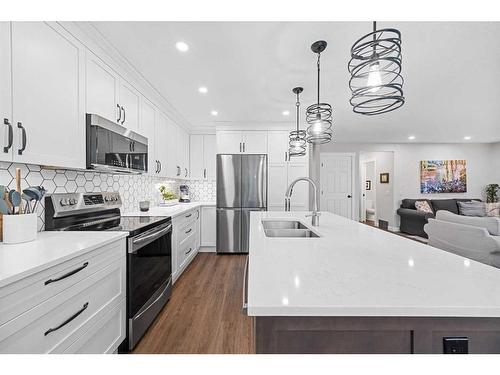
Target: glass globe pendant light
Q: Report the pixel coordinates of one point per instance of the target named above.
(319, 115)
(376, 82)
(297, 139)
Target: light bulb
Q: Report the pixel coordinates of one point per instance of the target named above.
(374, 78)
(317, 127)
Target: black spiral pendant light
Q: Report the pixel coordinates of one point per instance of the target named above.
(297, 139)
(375, 66)
(319, 115)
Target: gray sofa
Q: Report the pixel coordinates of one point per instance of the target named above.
(413, 221)
(476, 238)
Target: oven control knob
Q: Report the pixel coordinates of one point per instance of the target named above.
(72, 201)
(115, 198)
(63, 202)
(106, 199)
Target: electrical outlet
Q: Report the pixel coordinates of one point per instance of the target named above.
(455, 345)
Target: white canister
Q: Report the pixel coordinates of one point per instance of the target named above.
(19, 228)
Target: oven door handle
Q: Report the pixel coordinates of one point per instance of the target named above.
(138, 242)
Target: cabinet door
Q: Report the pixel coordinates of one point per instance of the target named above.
(196, 156)
(255, 142)
(48, 97)
(148, 123)
(229, 142)
(171, 162)
(129, 100)
(300, 196)
(208, 226)
(102, 89)
(183, 152)
(5, 92)
(277, 185)
(209, 156)
(162, 143)
(277, 147)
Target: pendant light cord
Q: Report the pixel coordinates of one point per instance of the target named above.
(374, 38)
(319, 55)
(297, 104)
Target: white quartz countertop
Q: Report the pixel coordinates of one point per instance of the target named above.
(171, 211)
(357, 270)
(21, 260)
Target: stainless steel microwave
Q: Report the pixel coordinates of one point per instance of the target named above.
(112, 147)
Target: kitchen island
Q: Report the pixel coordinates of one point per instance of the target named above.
(358, 289)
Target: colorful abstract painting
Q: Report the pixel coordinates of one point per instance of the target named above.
(443, 176)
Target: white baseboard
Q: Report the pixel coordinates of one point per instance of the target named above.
(207, 249)
(393, 229)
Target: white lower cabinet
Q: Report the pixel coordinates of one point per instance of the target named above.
(208, 226)
(82, 312)
(185, 240)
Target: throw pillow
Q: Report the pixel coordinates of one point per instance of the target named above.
(472, 208)
(423, 206)
(493, 209)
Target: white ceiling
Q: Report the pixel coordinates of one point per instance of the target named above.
(451, 72)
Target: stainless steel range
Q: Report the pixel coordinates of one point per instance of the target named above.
(149, 248)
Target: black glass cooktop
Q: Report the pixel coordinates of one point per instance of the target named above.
(138, 224)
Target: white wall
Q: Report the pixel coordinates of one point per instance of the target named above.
(483, 167)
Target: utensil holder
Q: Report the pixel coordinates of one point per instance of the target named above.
(19, 228)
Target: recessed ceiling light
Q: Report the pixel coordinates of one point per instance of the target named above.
(411, 137)
(467, 138)
(214, 113)
(286, 113)
(202, 90)
(181, 46)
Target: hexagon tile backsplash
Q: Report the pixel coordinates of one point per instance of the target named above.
(132, 188)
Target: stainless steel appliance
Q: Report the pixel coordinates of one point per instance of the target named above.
(112, 147)
(149, 250)
(241, 189)
(184, 194)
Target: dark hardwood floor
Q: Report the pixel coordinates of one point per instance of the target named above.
(204, 314)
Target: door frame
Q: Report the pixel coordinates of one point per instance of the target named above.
(362, 200)
(354, 196)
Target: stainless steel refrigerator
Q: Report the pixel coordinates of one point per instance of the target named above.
(241, 189)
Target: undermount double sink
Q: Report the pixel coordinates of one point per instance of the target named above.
(287, 228)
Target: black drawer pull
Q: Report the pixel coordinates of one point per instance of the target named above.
(189, 215)
(72, 317)
(67, 274)
(189, 250)
(189, 231)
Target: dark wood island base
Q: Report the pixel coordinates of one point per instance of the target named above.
(376, 335)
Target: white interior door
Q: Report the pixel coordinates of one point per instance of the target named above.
(336, 184)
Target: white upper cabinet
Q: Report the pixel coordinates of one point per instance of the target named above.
(241, 142)
(202, 156)
(102, 89)
(254, 142)
(5, 93)
(47, 95)
(148, 129)
(162, 144)
(172, 167)
(182, 153)
(278, 146)
(129, 100)
(229, 142)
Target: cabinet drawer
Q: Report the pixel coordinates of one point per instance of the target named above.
(54, 324)
(105, 335)
(186, 249)
(187, 217)
(187, 230)
(19, 297)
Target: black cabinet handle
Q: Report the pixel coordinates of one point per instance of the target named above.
(76, 270)
(189, 231)
(157, 166)
(349, 196)
(11, 135)
(187, 252)
(159, 162)
(123, 115)
(186, 172)
(204, 173)
(20, 126)
(119, 113)
(72, 317)
(189, 215)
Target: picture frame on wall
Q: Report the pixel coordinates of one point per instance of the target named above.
(368, 185)
(384, 178)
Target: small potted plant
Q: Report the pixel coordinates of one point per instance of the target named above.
(169, 197)
(492, 205)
